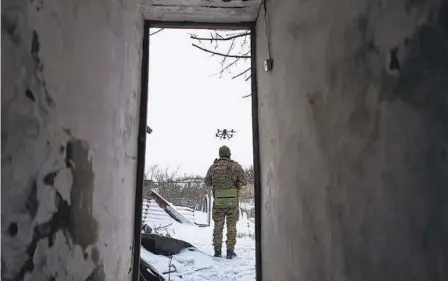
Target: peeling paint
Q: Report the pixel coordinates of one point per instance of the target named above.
(47, 101)
(52, 214)
(64, 178)
(52, 194)
(424, 78)
(30, 95)
(85, 230)
(9, 25)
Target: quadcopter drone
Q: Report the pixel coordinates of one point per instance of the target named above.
(225, 134)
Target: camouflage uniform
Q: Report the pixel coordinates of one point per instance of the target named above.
(226, 177)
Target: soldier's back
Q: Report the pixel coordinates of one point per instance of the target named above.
(223, 173)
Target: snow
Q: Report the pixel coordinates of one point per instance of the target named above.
(199, 264)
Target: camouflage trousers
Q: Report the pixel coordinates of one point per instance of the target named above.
(219, 215)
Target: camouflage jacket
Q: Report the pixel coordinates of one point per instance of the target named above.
(238, 175)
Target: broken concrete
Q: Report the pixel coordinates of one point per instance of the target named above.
(353, 135)
(70, 84)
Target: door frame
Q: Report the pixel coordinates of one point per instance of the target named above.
(141, 140)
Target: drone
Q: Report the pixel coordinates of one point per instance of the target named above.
(225, 134)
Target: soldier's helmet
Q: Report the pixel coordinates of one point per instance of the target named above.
(224, 152)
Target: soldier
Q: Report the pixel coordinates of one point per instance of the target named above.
(226, 177)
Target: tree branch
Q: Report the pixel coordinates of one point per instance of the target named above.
(224, 68)
(220, 38)
(242, 73)
(229, 65)
(220, 54)
(155, 32)
(228, 52)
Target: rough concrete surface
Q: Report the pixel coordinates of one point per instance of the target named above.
(70, 96)
(354, 140)
(211, 11)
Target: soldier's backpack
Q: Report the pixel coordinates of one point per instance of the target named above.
(224, 185)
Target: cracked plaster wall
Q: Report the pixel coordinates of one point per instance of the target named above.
(354, 139)
(70, 94)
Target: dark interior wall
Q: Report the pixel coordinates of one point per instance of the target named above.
(354, 140)
(69, 118)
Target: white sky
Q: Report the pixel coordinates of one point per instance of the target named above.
(187, 103)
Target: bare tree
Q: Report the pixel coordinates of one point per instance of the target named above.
(249, 171)
(247, 192)
(157, 174)
(187, 190)
(151, 172)
(233, 48)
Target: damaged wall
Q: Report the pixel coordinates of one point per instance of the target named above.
(354, 140)
(70, 94)
(218, 11)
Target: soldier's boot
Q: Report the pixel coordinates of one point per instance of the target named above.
(231, 254)
(217, 253)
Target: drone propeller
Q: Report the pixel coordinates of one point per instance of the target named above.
(225, 133)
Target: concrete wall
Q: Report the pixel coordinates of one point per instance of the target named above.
(354, 140)
(70, 96)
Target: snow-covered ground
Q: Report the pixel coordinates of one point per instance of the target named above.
(201, 265)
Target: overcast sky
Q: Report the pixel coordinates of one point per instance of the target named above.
(187, 104)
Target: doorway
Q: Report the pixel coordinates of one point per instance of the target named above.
(204, 90)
